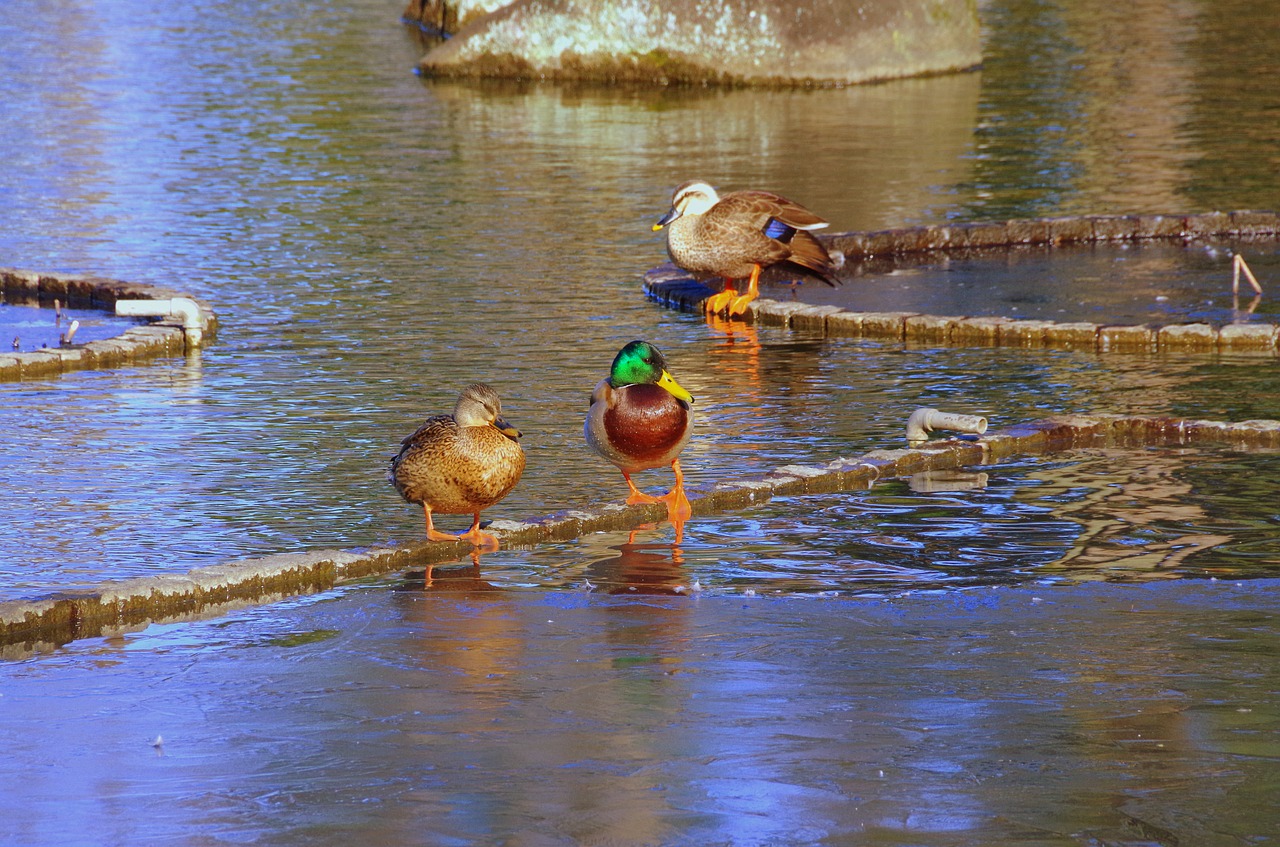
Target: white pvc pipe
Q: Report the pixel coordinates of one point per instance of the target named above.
(924, 421)
(177, 307)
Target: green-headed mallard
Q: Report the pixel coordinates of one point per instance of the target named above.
(640, 418)
(461, 463)
(740, 234)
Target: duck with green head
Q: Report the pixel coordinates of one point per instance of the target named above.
(640, 418)
(461, 463)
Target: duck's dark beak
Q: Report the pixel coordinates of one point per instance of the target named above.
(666, 219)
(507, 429)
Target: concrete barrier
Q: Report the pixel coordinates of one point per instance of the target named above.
(165, 337)
(674, 288)
(29, 625)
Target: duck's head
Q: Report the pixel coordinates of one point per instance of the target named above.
(478, 405)
(641, 363)
(691, 198)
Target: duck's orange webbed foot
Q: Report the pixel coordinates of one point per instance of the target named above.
(434, 534)
(638, 497)
(679, 509)
(717, 303)
(739, 304)
(479, 539)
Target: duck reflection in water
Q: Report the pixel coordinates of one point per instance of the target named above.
(654, 567)
(448, 577)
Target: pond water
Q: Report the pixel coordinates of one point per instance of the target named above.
(28, 327)
(373, 242)
(1155, 283)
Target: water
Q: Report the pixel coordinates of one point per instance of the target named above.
(1155, 283)
(373, 242)
(28, 327)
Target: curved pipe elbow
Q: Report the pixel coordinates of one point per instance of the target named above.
(178, 307)
(924, 421)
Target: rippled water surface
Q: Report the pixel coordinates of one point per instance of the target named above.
(373, 242)
(914, 664)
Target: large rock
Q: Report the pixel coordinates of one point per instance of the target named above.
(769, 42)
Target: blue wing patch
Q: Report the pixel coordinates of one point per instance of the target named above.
(777, 229)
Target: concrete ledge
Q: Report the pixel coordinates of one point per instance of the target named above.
(674, 288)
(164, 337)
(134, 603)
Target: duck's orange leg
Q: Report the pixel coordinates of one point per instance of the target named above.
(480, 539)
(716, 303)
(434, 534)
(679, 509)
(637, 496)
(739, 304)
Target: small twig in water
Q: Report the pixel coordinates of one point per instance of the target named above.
(1237, 265)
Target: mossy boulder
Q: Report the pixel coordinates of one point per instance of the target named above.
(810, 42)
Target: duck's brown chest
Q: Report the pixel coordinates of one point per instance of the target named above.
(649, 425)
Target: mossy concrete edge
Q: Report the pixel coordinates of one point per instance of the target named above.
(28, 625)
(161, 338)
(674, 288)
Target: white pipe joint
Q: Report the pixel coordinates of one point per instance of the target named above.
(924, 421)
(178, 307)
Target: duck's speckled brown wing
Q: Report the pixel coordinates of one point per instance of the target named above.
(456, 470)
(757, 227)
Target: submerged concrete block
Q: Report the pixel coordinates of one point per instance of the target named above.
(933, 329)
(1075, 335)
(1159, 226)
(1187, 337)
(1022, 333)
(1253, 223)
(1069, 230)
(1126, 338)
(983, 332)
(1115, 227)
(847, 324)
(885, 324)
(1249, 337)
(813, 318)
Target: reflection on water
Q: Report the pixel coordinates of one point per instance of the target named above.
(1009, 717)
(28, 327)
(1102, 514)
(1156, 283)
(373, 242)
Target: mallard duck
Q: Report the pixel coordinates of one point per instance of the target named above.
(461, 463)
(740, 234)
(640, 418)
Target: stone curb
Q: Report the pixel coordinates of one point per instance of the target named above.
(164, 337)
(674, 288)
(133, 603)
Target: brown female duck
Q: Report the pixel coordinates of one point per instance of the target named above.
(740, 234)
(461, 463)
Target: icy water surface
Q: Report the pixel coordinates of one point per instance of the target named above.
(1065, 716)
(1155, 283)
(900, 666)
(374, 242)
